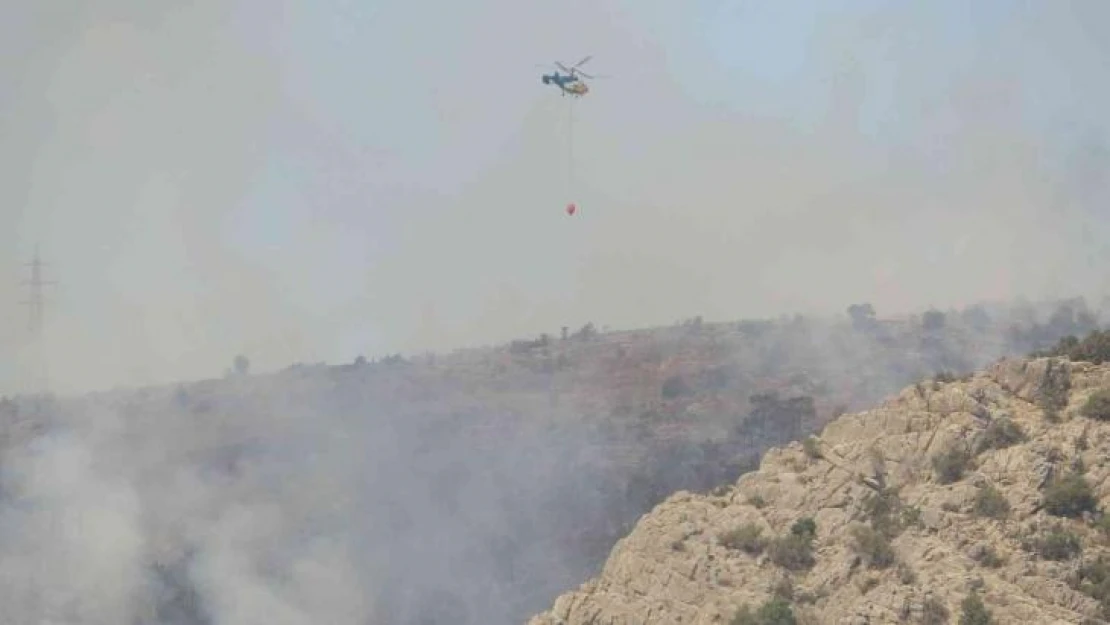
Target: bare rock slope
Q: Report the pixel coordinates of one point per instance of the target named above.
(950, 501)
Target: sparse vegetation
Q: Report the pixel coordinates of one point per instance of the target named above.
(1094, 581)
(709, 377)
(1069, 496)
(991, 503)
(747, 538)
(988, 557)
(911, 517)
(1078, 466)
(812, 447)
(775, 418)
(951, 464)
(873, 547)
(783, 589)
(944, 377)
(906, 574)
(1052, 395)
(775, 611)
(805, 527)
(1057, 543)
(794, 551)
(885, 512)
(1097, 406)
(1094, 348)
(1000, 434)
(1082, 443)
(974, 612)
(885, 515)
(934, 612)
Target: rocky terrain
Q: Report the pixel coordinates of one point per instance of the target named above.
(974, 500)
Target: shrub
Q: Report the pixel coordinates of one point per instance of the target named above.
(883, 509)
(1057, 544)
(793, 552)
(805, 527)
(747, 538)
(1078, 466)
(1000, 434)
(944, 377)
(783, 589)
(973, 612)
(776, 611)
(991, 504)
(911, 517)
(1097, 406)
(1094, 581)
(873, 547)
(1052, 394)
(812, 448)
(744, 616)
(951, 464)
(1069, 496)
(934, 612)
(989, 558)
(1102, 524)
(1082, 443)
(906, 575)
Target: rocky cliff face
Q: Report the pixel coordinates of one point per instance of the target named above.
(949, 502)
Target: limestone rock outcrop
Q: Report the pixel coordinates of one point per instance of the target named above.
(947, 490)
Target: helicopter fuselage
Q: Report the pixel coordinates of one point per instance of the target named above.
(568, 83)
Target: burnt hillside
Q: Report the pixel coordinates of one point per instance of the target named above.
(469, 487)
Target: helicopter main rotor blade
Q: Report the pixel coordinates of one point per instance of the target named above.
(583, 61)
(564, 67)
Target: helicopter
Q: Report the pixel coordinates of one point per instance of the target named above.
(569, 83)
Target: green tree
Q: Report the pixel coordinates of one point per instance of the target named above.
(974, 612)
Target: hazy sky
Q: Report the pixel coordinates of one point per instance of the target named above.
(311, 181)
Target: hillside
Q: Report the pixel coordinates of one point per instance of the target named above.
(470, 487)
(990, 487)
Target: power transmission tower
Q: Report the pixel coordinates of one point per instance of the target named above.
(36, 303)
